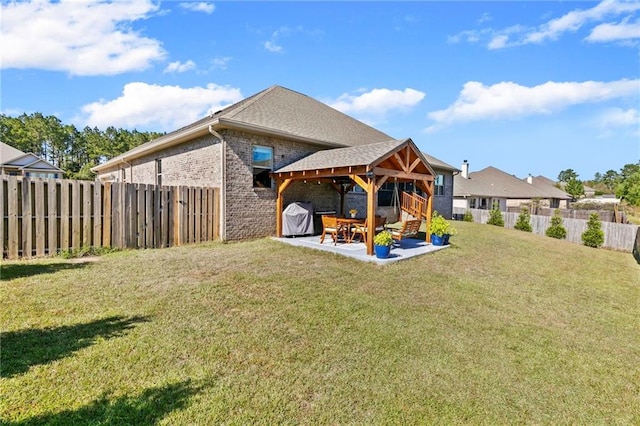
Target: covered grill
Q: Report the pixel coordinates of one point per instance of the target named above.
(297, 219)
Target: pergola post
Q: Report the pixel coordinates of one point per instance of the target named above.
(282, 185)
(371, 213)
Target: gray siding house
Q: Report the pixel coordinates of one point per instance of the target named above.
(240, 148)
(14, 162)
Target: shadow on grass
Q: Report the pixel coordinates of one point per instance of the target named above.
(19, 270)
(23, 349)
(146, 409)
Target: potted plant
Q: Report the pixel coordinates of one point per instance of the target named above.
(382, 243)
(353, 212)
(440, 230)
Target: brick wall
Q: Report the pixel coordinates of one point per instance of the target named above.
(443, 204)
(195, 163)
(251, 212)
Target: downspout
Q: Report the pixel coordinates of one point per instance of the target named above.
(130, 169)
(223, 186)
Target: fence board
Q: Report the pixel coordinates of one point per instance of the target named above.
(106, 214)
(148, 222)
(64, 215)
(12, 208)
(52, 224)
(76, 229)
(97, 215)
(41, 233)
(87, 197)
(39, 217)
(27, 229)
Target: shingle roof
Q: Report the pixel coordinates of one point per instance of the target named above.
(8, 153)
(286, 111)
(547, 186)
(439, 164)
(343, 157)
(493, 182)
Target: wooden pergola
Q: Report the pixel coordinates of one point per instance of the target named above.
(368, 166)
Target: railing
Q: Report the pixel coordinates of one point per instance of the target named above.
(42, 217)
(414, 204)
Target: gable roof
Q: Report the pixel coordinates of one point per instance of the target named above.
(8, 153)
(14, 158)
(380, 157)
(493, 182)
(277, 112)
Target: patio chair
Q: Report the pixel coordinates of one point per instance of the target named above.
(330, 226)
(362, 230)
(409, 229)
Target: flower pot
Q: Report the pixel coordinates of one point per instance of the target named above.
(437, 240)
(353, 215)
(382, 252)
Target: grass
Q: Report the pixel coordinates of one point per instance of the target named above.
(503, 327)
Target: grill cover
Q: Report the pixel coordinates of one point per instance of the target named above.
(297, 219)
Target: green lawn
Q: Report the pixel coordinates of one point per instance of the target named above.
(503, 327)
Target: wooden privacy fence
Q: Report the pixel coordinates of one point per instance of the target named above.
(617, 236)
(41, 217)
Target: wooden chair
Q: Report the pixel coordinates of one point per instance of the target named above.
(362, 230)
(330, 226)
(409, 229)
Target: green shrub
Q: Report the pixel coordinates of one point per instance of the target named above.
(495, 216)
(593, 236)
(523, 222)
(468, 217)
(384, 238)
(556, 230)
(439, 225)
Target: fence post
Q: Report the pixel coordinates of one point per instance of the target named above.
(97, 214)
(27, 231)
(52, 201)
(41, 233)
(13, 230)
(106, 215)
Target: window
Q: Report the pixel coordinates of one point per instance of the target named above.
(386, 192)
(472, 203)
(159, 172)
(262, 166)
(439, 184)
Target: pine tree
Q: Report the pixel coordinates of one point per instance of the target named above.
(495, 216)
(524, 219)
(594, 235)
(556, 230)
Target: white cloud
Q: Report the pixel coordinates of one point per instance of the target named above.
(484, 18)
(221, 63)
(271, 46)
(78, 37)
(618, 117)
(575, 19)
(159, 108)
(510, 100)
(572, 21)
(377, 102)
(498, 42)
(180, 66)
(205, 7)
(613, 32)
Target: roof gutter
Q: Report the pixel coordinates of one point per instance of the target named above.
(160, 143)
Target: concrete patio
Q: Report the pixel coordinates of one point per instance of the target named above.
(409, 248)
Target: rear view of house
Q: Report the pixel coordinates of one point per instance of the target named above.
(14, 162)
(244, 148)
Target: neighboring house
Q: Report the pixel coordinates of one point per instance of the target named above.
(480, 190)
(241, 148)
(14, 162)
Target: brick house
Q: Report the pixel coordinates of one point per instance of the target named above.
(241, 149)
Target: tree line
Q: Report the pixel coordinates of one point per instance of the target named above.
(625, 184)
(63, 145)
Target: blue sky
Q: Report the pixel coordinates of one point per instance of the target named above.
(528, 87)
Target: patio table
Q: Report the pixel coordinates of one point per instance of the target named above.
(346, 223)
